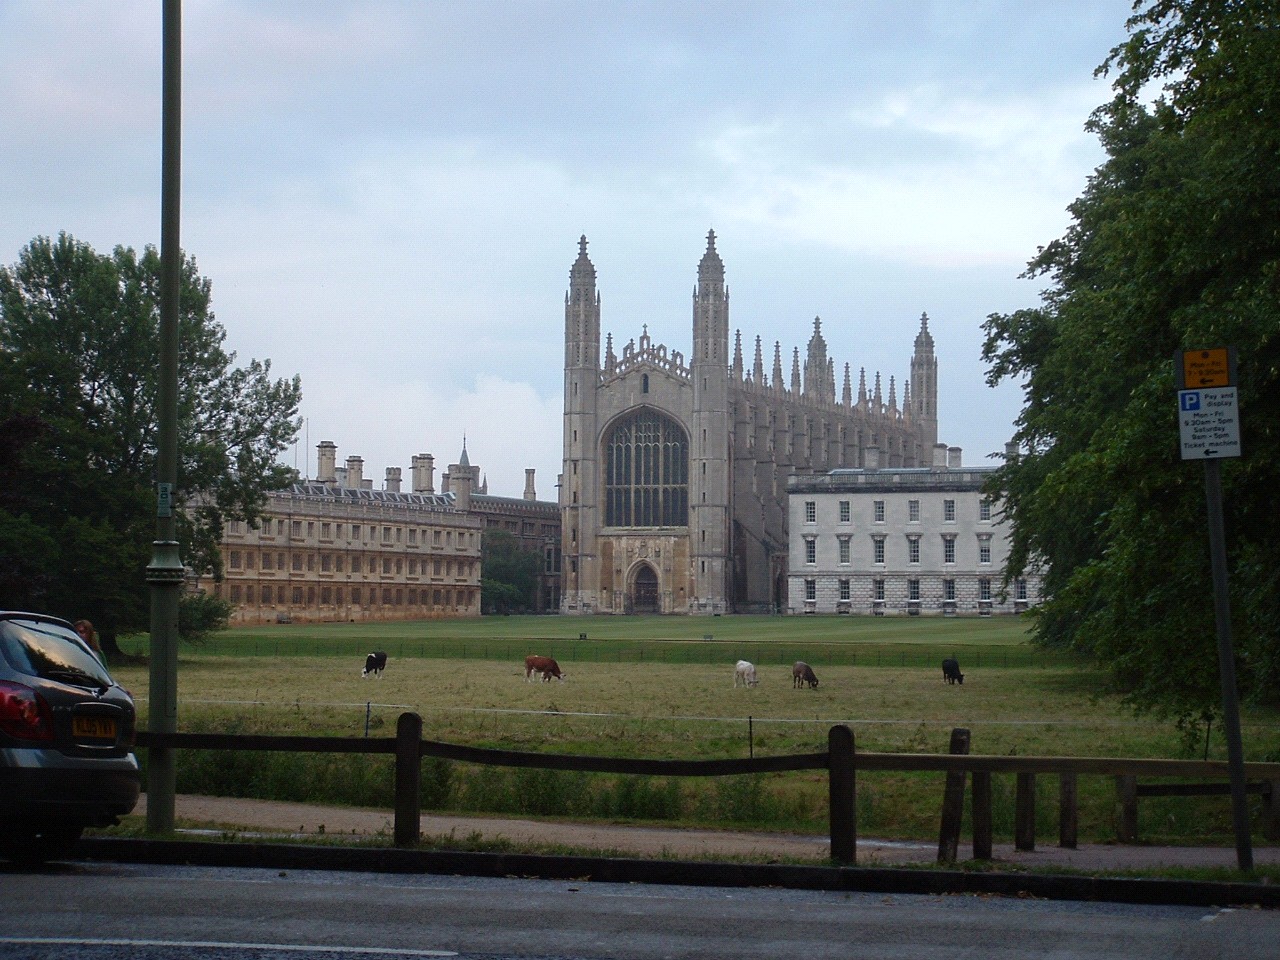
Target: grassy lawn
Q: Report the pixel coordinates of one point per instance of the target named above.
(623, 697)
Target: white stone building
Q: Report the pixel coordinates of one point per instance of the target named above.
(900, 541)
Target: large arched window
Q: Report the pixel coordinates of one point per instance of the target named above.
(646, 472)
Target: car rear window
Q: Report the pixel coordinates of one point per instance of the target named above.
(51, 652)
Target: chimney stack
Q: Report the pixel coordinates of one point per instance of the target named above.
(326, 458)
(939, 456)
(529, 493)
(355, 472)
(424, 469)
(953, 458)
(393, 480)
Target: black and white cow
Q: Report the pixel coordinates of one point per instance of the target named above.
(951, 671)
(374, 663)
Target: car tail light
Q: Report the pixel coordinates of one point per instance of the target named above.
(24, 713)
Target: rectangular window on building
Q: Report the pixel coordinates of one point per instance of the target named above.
(235, 593)
(325, 562)
(984, 588)
(326, 531)
(810, 550)
(913, 589)
(949, 549)
(844, 588)
(913, 511)
(386, 534)
(311, 529)
(811, 589)
(913, 549)
(326, 595)
(235, 527)
(355, 596)
(413, 535)
(844, 511)
(984, 509)
(355, 531)
(386, 564)
(297, 562)
(949, 511)
(948, 589)
(297, 595)
(877, 549)
(279, 561)
(877, 589)
(1020, 589)
(810, 511)
(984, 549)
(295, 528)
(844, 550)
(877, 508)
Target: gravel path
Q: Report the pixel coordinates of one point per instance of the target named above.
(296, 819)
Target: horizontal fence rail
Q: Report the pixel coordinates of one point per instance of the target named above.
(840, 760)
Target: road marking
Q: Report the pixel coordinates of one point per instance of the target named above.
(221, 945)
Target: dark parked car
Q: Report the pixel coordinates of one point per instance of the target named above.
(66, 732)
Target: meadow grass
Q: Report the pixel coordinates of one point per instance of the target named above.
(656, 709)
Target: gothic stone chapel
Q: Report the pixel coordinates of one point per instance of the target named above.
(674, 493)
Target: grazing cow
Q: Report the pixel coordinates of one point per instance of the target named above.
(745, 671)
(801, 674)
(543, 667)
(374, 663)
(951, 671)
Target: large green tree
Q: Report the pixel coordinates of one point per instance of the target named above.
(78, 430)
(509, 574)
(1174, 244)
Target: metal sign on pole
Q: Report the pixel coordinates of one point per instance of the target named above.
(1209, 428)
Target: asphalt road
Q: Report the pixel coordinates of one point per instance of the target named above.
(95, 910)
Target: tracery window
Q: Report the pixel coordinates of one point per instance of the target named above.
(646, 472)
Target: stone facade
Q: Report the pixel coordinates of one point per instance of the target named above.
(673, 494)
(900, 542)
(335, 549)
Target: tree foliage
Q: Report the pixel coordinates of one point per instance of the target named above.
(1174, 244)
(79, 384)
(509, 574)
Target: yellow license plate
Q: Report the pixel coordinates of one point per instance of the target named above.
(94, 728)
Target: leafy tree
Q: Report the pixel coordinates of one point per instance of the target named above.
(508, 574)
(1174, 244)
(78, 395)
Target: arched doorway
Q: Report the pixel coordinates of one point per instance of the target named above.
(644, 591)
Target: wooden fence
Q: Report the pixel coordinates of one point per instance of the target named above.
(841, 761)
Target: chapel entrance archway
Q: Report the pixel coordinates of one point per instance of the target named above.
(644, 590)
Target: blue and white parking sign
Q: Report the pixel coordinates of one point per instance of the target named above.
(1209, 423)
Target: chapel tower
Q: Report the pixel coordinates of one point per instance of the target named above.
(709, 506)
(580, 513)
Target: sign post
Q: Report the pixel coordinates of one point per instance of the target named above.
(1209, 428)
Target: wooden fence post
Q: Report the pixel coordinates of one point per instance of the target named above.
(408, 798)
(1271, 810)
(1024, 823)
(1068, 810)
(981, 807)
(953, 801)
(1127, 802)
(842, 793)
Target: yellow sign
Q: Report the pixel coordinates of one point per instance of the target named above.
(1206, 368)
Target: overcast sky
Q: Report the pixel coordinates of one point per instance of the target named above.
(387, 196)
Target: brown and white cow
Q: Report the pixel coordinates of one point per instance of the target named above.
(542, 667)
